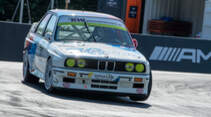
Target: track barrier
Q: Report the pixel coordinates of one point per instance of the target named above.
(163, 52)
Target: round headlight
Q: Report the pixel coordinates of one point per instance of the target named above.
(70, 62)
(140, 68)
(81, 63)
(129, 67)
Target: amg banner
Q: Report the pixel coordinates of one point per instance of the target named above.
(176, 54)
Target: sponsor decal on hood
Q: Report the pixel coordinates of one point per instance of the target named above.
(91, 49)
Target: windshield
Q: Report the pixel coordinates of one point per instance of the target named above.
(90, 29)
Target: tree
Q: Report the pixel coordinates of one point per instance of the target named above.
(39, 7)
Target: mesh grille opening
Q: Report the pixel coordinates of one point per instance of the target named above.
(103, 86)
(138, 85)
(69, 80)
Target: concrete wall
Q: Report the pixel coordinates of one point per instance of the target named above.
(207, 23)
(11, 40)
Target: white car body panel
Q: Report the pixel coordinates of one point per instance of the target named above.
(40, 50)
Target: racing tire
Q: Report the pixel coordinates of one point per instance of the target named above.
(27, 76)
(144, 97)
(48, 77)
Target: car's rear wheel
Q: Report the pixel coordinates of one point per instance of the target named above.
(27, 76)
(144, 97)
(48, 77)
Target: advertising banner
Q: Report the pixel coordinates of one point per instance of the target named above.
(176, 54)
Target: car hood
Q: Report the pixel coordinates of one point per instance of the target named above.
(98, 50)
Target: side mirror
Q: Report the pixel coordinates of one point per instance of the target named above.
(135, 42)
(48, 35)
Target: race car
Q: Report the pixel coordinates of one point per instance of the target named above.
(85, 51)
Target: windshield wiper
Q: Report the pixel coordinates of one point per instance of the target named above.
(89, 31)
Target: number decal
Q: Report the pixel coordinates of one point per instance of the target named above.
(77, 19)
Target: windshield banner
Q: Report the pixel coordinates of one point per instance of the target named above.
(100, 22)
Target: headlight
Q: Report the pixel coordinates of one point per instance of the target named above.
(140, 68)
(129, 67)
(81, 63)
(70, 62)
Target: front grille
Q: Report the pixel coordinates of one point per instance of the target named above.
(106, 65)
(111, 66)
(91, 64)
(120, 66)
(102, 65)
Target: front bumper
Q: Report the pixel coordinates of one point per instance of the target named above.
(102, 81)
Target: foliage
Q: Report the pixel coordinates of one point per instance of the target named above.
(39, 7)
(90, 5)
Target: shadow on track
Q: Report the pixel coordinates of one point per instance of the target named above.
(89, 97)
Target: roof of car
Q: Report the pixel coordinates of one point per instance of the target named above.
(61, 12)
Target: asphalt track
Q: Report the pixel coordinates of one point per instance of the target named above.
(173, 95)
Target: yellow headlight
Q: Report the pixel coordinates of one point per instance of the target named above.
(81, 63)
(140, 68)
(129, 67)
(70, 62)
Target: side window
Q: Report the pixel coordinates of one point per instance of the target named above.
(42, 25)
(50, 27)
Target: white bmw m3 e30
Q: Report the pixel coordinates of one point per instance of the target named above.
(86, 51)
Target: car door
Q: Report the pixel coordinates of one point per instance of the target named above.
(39, 38)
(45, 43)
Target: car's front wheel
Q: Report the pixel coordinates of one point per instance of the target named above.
(144, 97)
(48, 77)
(27, 76)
